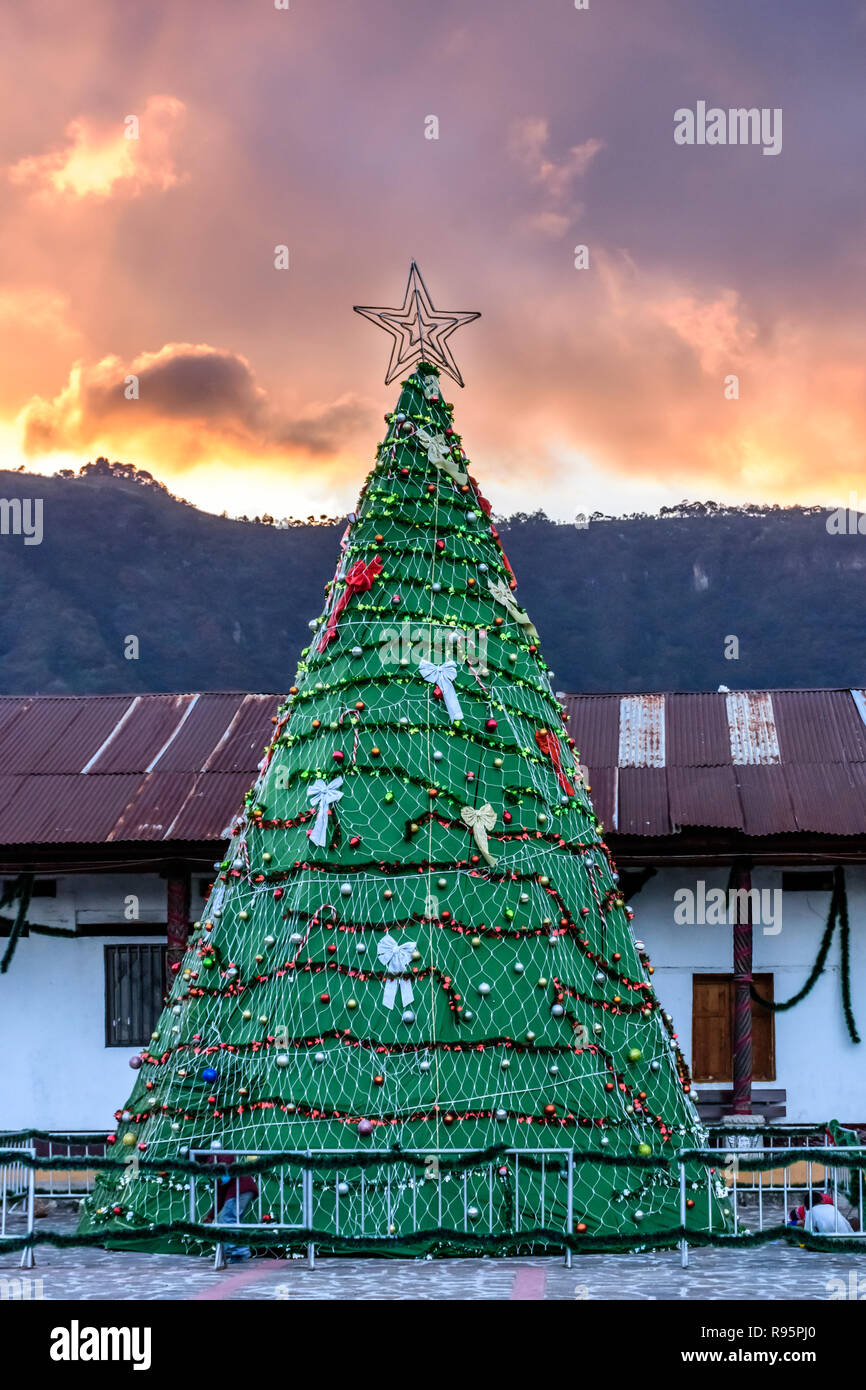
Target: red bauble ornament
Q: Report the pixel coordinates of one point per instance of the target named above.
(325, 998)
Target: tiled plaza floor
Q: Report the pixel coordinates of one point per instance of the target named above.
(765, 1273)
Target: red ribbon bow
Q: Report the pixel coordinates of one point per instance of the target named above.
(358, 581)
(549, 745)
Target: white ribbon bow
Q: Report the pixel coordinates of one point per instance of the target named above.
(430, 386)
(480, 821)
(439, 452)
(502, 594)
(323, 795)
(395, 956)
(444, 676)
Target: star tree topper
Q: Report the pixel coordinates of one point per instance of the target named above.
(419, 331)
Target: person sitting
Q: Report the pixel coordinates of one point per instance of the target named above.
(823, 1217)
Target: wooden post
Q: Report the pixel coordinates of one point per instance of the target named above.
(177, 915)
(742, 1041)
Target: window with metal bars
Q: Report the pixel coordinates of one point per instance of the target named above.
(134, 988)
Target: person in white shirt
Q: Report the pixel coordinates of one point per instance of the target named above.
(823, 1218)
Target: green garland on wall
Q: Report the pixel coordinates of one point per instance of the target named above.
(21, 889)
(836, 916)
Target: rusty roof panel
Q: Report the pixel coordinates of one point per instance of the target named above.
(153, 807)
(819, 787)
(9, 788)
(704, 796)
(825, 799)
(212, 804)
(766, 801)
(593, 722)
(203, 729)
(642, 799)
(858, 777)
(819, 726)
(12, 711)
(242, 746)
(141, 733)
(54, 809)
(641, 731)
(697, 731)
(39, 726)
(602, 791)
(754, 741)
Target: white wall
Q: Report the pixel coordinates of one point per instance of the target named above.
(823, 1072)
(57, 1072)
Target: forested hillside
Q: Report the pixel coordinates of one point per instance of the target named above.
(638, 603)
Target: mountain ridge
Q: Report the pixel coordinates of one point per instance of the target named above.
(622, 603)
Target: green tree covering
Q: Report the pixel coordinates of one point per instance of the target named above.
(416, 937)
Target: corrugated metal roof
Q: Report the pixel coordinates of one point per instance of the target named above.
(203, 751)
(116, 768)
(697, 731)
(593, 721)
(825, 799)
(826, 728)
(65, 807)
(241, 747)
(211, 806)
(767, 762)
(138, 739)
(641, 731)
(603, 789)
(765, 800)
(704, 796)
(752, 724)
(642, 801)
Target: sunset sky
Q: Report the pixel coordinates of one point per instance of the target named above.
(601, 388)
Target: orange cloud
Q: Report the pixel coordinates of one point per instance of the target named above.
(635, 392)
(127, 158)
(182, 405)
(37, 336)
(715, 329)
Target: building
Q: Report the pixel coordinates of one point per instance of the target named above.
(118, 807)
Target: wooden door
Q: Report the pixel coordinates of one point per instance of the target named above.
(713, 1029)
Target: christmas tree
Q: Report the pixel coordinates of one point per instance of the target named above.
(416, 937)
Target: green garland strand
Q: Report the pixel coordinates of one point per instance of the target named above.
(837, 914)
(328, 1163)
(20, 888)
(749, 1161)
(538, 1239)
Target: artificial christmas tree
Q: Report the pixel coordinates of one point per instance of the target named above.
(416, 937)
